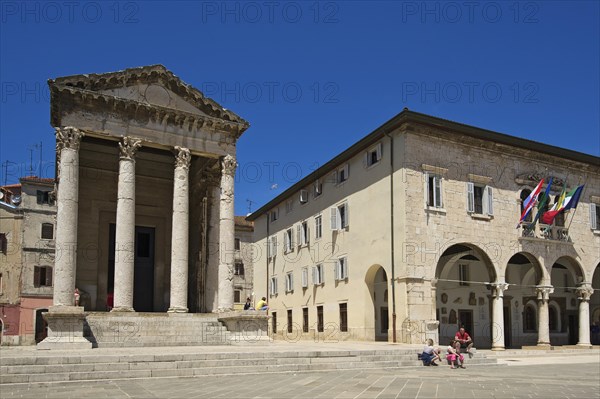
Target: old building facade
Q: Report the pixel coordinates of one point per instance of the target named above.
(145, 217)
(27, 230)
(410, 233)
(243, 269)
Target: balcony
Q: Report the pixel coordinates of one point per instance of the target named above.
(546, 232)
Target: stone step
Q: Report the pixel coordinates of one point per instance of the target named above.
(101, 371)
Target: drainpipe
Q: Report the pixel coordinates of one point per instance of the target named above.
(391, 137)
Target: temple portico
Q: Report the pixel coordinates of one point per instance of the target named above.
(131, 147)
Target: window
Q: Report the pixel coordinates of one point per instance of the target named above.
(274, 214)
(318, 274)
(342, 174)
(271, 246)
(239, 269)
(289, 206)
(237, 296)
(479, 199)
(305, 320)
(289, 282)
(341, 269)
(288, 241)
(303, 234)
(42, 276)
(274, 322)
(463, 274)
(290, 322)
(317, 188)
(237, 244)
(524, 194)
(318, 227)
(47, 231)
(594, 216)
(320, 324)
(339, 217)
(3, 243)
(273, 286)
(529, 318)
(343, 317)
(373, 155)
(303, 196)
(304, 277)
(44, 197)
(434, 190)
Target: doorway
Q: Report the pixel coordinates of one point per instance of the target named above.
(507, 327)
(465, 319)
(143, 273)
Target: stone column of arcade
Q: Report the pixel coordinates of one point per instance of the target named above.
(543, 296)
(212, 268)
(65, 321)
(226, 235)
(498, 316)
(584, 292)
(125, 227)
(180, 232)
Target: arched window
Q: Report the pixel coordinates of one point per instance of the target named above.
(524, 194)
(529, 318)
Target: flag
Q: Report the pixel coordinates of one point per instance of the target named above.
(559, 205)
(530, 201)
(572, 199)
(542, 202)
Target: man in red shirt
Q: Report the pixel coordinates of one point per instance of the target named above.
(463, 340)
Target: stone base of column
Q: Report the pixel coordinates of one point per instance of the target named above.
(584, 345)
(123, 309)
(177, 309)
(248, 327)
(498, 348)
(547, 344)
(65, 328)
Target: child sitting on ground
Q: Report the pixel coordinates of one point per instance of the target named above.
(454, 356)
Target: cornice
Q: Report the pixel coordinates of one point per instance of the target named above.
(156, 74)
(95, 101)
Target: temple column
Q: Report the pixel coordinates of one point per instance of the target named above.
(543, 296)
(125, 227)
(498, 315)
(180, 232)
(65, 321)
(226, 235)
(67, 143)
(584, 292)
(212, 266)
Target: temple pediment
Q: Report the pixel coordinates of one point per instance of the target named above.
(150, 95)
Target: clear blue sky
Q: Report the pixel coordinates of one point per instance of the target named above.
(313, 77)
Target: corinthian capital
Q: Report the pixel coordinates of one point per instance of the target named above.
(584, 292)
(499, 289)
(543, 292)
(129, 147)
(229, 164)
(68, 137)
(182, 157)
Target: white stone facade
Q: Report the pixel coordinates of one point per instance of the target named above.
(453, 195)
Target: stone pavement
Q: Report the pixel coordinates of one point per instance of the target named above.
(543, 375)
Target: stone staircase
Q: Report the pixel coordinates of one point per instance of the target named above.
(40, 367)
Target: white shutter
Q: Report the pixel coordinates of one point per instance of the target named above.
(334, 177)
(286, 241)
(379, 151)
(345, 271)
(347, 214)
(427, 188)
(490, 201)
(321, 273)
(334, 218)
(303, 196)
(366, 159)
(291, 239)
(299, 234)
(274, 244)
(314, 270)
(270, 247)
(593, 217)
(305, 277)
(338, 273)
(346, 171)
(470, 197)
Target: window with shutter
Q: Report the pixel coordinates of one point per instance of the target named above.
(317, 188)
(36, 276)
(303, 196)
(304, 277)
(47, 231)
(318, 227)
(3, 243)
(470, 197)
(595, 216)
(289, 282)
(48, 276)
(335, 225)
(433, 187)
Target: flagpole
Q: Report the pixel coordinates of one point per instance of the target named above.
(572, 217)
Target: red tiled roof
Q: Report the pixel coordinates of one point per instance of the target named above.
(241, 221)
(35, 179)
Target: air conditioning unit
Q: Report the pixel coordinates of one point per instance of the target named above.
(303, 196)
